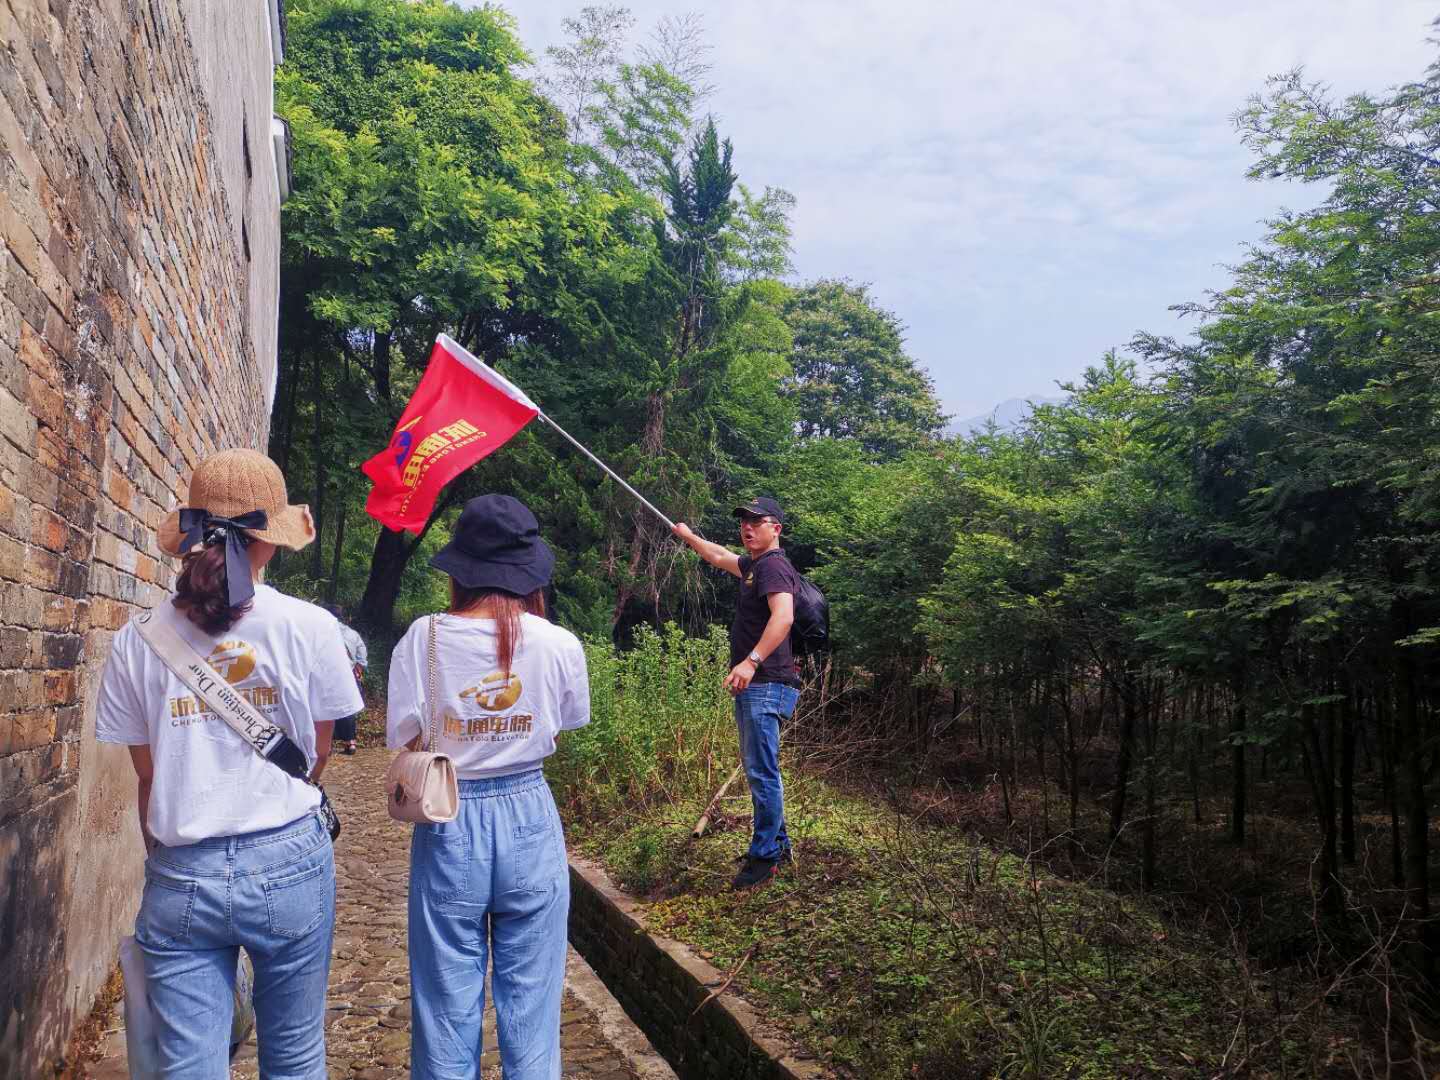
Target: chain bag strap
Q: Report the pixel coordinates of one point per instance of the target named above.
(421, 785)
(430, 681)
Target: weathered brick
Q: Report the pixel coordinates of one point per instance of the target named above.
(127, 353)
(59, 687)
(14, 646)
(12, 559)
(107, 548)
(48, 529)
(74, 578)
(61, 613)
(17, 423)
(42, 568)
(69, 721)
(26, 730)
(119, 489)
(61, 650)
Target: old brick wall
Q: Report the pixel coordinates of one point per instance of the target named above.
(128, 349)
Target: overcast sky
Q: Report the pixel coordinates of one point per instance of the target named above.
(1025, 185)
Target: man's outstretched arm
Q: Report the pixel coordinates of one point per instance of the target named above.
(715, 554)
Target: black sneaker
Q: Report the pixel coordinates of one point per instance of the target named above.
(755, 872)
(783, 859)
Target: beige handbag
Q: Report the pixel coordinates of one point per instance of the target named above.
(421, 784)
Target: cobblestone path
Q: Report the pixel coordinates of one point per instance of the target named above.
(368, 1018)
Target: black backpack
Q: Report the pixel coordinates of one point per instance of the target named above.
(810, 634)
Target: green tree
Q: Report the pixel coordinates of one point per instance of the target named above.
(758, 240)
(852, 378)
(433, 192)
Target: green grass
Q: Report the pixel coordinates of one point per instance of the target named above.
(895, 949)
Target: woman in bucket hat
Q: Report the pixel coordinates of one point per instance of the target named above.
(237, 851)
(494, 880)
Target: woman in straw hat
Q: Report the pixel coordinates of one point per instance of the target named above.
(238, 853)
(494, 881)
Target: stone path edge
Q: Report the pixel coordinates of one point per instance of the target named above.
(659, 982)
(614, 1024)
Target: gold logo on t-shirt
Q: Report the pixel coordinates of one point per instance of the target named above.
(495, 691)
(233, 659)
(749, 579)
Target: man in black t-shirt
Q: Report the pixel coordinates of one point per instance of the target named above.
(763, 675)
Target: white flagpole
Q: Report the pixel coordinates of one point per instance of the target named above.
(608, 471)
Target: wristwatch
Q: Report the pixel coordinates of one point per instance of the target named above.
(754, 658)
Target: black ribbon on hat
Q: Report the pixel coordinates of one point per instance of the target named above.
(201, 526)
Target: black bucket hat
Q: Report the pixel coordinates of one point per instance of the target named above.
(496, 545)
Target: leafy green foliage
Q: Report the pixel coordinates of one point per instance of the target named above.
(1216, 552)
(852, 378)
(661, 724)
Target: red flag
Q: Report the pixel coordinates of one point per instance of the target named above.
(460, 412)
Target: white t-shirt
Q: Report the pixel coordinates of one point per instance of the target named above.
(488, 726)
(355, 646)
(286, 658)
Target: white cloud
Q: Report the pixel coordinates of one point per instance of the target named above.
(1027, 184)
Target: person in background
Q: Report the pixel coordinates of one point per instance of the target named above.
(237, 852)
(359, 663)
(764, 677)
(493, 884)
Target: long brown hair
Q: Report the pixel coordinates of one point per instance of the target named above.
(200, 591)
(506, 608)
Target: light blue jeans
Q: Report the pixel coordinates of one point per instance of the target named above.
(492, 883)
(759, 710)
(272, 891)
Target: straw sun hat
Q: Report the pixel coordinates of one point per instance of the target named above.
(235, 482)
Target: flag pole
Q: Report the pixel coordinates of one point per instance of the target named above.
(608, 471)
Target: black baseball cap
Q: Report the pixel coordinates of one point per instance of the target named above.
(761, 506)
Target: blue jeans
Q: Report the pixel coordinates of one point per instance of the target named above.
(759, 710)
(492, 883)
(272, 891)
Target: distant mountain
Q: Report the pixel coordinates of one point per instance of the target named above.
(1007, 415)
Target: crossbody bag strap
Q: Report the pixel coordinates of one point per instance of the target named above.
(210, 686)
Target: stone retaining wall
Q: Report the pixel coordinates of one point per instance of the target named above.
(660, 983)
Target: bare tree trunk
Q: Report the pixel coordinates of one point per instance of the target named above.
(652, 442)
(1417, 813)
(1127, 744)
(317, 566)
(1347, 773)
(380, 365)
(1154, 698)
(387, 566)
(1384, 726)
(1197, 747)
(287, 427)
(1238, 720)
(332, 589)
(1318, 759)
